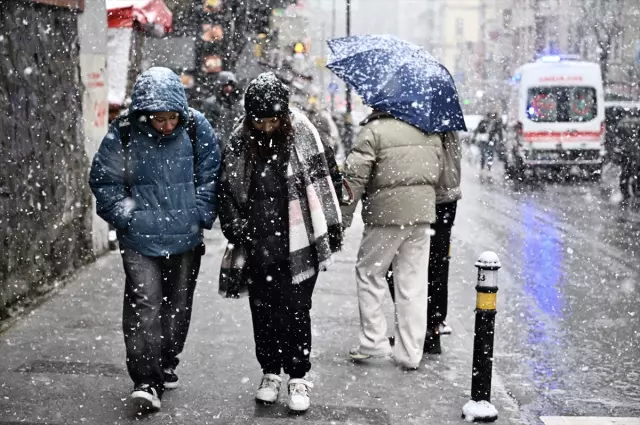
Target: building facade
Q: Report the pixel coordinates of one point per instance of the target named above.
(604, 31)
(467, 36)
(482, 42)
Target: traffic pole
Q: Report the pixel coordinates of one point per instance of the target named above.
(479, 408)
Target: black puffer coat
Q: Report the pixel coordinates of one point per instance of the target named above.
(268, 207)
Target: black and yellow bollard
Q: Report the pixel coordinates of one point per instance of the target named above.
(479, 408)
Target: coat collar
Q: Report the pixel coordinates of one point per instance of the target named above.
(376, 115)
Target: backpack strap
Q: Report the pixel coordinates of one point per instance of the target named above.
(193, 137)
(124, 127)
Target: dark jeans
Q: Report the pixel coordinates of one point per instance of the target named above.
(486, 155)
(628, 176)
(157, 311)
(439, 257)
(281, 320)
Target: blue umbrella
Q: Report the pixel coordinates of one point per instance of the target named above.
(399, 78)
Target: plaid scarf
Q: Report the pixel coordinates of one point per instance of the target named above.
(314, 213)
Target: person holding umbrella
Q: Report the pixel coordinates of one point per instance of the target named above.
(394, 168)
(448, 193)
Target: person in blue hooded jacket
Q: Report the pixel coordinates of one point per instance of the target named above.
(157, 187)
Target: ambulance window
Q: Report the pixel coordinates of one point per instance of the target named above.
(562, 104)
(542, 104)
(583, 104)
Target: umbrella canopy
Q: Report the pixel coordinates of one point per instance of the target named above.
(399, 78)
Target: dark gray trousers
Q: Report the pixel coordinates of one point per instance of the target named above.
(157, 311)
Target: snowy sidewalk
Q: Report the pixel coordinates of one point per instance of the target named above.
(64, 363)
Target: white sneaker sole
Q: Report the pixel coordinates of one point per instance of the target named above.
(299, 408)
(445, 330)
(266, 400)
(145, 401)
(171, 385)
(363, 356)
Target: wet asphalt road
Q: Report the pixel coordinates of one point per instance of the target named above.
(568, 325)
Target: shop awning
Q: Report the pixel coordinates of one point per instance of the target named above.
(152, 15)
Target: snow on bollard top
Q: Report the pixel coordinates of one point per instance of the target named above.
(479, 411)
(488, 261)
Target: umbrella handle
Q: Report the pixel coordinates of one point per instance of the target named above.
(348, 197)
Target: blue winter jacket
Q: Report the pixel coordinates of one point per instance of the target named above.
(166, 210)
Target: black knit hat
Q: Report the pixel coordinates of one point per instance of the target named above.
(266, 97)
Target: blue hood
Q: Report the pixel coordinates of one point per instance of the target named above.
(159, 89)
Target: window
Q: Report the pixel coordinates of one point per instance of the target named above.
(430, 23)
(460, 27)
(615, 49)
(562, 104)
(507, 17)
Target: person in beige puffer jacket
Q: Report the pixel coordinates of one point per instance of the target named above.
(394, 169)
(448, 193)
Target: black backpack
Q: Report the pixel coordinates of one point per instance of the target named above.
(124, 126)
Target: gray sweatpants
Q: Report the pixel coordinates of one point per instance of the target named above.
(156, 313)
(407, 248)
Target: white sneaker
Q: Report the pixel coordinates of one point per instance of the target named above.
(299, 394)
(444, 329)
(171, 380)
(269, 388)
(146, 398)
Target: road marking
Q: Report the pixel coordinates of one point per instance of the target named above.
(591, 420)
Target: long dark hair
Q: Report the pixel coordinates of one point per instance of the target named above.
(283, 136)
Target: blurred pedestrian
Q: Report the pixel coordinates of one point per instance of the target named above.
(488, 136)
(448, 193)
(223, 109)
(279, 211)
(394, 168)
(159, 209)
(330, 136)
(323, 121)
(628, 130)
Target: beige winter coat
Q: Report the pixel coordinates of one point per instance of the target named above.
(448, 188)
(394, 168)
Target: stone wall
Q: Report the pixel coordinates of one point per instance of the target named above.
(45, 203)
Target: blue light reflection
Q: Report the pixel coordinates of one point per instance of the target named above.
(542, 254)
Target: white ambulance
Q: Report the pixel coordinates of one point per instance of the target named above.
(556, 119)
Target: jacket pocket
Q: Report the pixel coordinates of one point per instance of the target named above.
(144, 222)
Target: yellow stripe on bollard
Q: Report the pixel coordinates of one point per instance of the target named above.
(486, 301)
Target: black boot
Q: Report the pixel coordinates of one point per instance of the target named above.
(432, 342)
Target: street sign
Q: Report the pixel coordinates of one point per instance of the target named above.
(333, 87)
